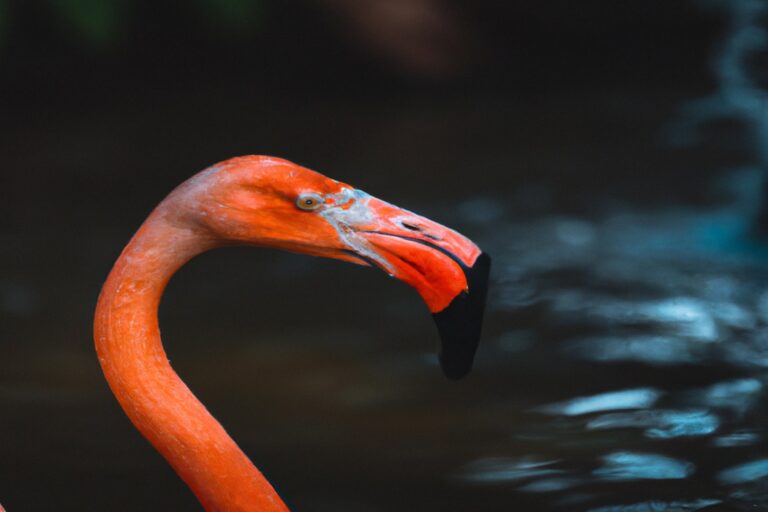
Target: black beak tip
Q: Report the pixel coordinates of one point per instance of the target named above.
(461, 322)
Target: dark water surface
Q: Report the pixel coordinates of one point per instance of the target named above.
(625, 358)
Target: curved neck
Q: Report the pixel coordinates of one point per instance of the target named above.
(153, 396)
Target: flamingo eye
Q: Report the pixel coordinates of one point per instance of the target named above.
(309, 202)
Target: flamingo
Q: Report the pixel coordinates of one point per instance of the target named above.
(270, 202)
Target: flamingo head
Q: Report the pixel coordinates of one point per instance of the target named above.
(271, 202)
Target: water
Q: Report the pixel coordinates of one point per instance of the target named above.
(644, 353)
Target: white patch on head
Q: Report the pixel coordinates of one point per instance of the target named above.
(357, 214)
(341, 198)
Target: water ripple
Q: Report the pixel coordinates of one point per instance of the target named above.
(638, 466)
(654, 350)
(736, 395)
(661, 424)
(550, 485)
(637, 398)
(743, 473)
(736, 439)
(684, 316)
(504, 469)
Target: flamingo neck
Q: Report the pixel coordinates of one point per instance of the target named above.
(153, 396)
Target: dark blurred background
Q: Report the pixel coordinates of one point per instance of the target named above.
(610, 155)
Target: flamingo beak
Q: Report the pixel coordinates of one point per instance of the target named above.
(447, 269)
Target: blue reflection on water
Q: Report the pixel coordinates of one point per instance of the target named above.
(762, 307)
(659, 506)
(736, 439)
(733, 315)
(684, 316)
(690, 316)
(504, 469)
(735, 395)
(638, 398)
(723, 393)
(551, 485)
(634, 466)
(660, 424)
(655, 350)
(743, 473)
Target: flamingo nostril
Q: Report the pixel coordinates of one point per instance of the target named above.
(412, 227)
(419, 229)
